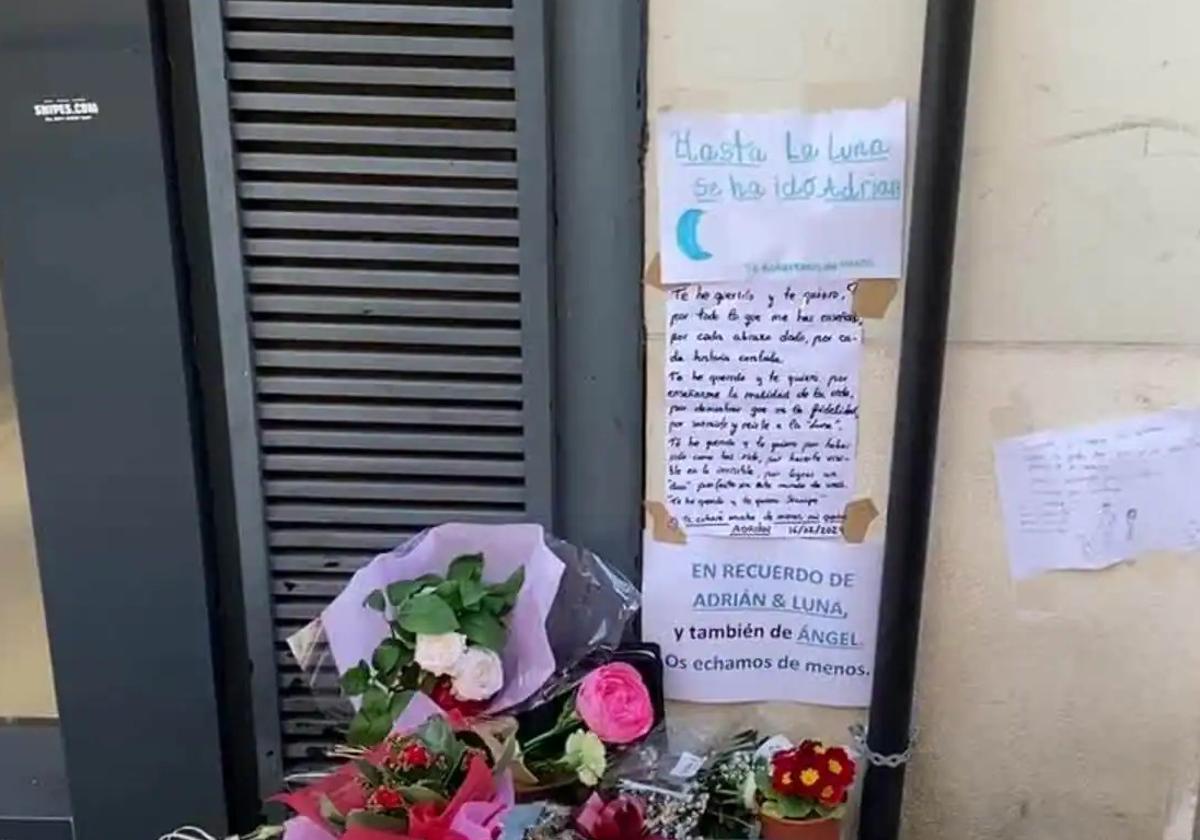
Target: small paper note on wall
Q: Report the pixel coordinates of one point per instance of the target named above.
(743, 620)
(1091, 496)
(782, 195)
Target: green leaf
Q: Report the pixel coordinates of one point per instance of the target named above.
(495, 604)
(370, 772)
(471, 592)
(437, 735)
(795, 808)
(359, 732)
(466, 567)
(426, 614)
(401, 591)
(420, 793)
(356, 679)
(377, 730)
(510, 588)
(388, 656)
(484, 629)
(375, 701)
(449, 592)
(376, 601)
(399, 703)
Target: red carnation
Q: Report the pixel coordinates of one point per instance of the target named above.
(416, 755)
(386, 799)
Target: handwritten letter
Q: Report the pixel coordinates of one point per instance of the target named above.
(1089, 497)
(783, 195)
(761, 408)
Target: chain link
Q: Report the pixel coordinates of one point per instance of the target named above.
(858, 733)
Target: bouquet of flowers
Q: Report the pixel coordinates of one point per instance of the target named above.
(610, 708)
(445, 636)
(458, 613)
(429, 783)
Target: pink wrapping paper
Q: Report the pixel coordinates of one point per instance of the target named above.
(353, 630)
(477, 820)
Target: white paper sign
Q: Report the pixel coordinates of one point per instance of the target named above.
(781, 195)
(748, 620)
(761, 408)
(1089, 497)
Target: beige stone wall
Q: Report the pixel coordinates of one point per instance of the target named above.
(1067, 706)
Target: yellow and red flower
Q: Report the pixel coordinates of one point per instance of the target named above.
(813, 771)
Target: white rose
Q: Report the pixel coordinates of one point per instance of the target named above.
(478, 675)
(440, 654)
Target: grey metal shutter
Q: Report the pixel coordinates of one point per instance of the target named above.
(390, 163)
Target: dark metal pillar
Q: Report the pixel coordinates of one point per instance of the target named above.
(944, 74)
(99, 339)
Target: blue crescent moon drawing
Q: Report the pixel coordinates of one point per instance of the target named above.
(685, 235)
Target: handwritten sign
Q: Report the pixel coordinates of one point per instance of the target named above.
(761, 408)
(742, 620)
(782, 195)
(1089, 497)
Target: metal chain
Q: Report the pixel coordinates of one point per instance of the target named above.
(858, 733)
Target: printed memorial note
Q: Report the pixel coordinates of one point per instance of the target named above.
(785, 195)
(1089, 497)
(761, 408)
(750, 620)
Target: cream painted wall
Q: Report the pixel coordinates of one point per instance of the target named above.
(1067, 706)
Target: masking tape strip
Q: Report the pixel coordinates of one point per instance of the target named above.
(858, 517)
(873, 297)
(653, 275)
(664, 527)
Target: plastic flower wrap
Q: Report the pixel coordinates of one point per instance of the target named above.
(483, 619)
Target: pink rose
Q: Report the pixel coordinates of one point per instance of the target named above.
(615, 704)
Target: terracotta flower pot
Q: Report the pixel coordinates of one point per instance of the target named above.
(774, 828)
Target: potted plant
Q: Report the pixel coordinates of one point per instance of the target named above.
(801, 792)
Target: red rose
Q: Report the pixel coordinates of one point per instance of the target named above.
(416, 755)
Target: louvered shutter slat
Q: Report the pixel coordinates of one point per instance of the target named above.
(406, 389)
(362, 223)
(362, 539)
(399, 307)
(397, 414)
(442, 467)
(489, 444)
(335, 74)
(443, 196)
(400, 362)
(347, 165)
(381, 105)
(368, 13)
(380, 44)
(381, 280)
